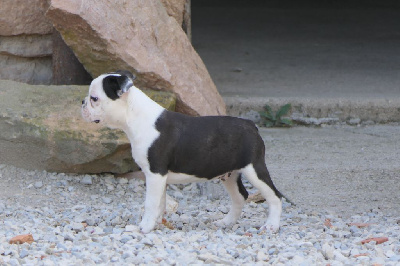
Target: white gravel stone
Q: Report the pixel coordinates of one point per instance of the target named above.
(107, 200)
(261, 256)
(38, 184)
(77, 227)
(354, 121)
(87, 180)
(132, 228)
(123, 181)
(327, 251)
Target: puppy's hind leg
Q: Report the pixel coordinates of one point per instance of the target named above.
(258, 176)
(238, 195)
(163, 205)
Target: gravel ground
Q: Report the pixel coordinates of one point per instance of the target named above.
(336, 176)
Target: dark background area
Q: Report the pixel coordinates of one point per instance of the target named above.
(300, 48)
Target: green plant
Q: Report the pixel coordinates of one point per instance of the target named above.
(271, 119)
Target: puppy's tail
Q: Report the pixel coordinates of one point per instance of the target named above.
(280, 195)
(287, 199)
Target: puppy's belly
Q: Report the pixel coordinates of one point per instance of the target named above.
(178, 178)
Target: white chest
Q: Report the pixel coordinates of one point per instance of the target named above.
(140, 143)
(141, 130)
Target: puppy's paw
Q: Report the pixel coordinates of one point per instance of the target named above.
(225, 222)
(220, 223)
(146, 227)
(270, 228)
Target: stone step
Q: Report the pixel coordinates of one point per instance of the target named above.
(323, 110)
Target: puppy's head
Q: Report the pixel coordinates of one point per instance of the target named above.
(107, 100)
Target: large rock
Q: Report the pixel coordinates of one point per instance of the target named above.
(24, 17)
(26, 45)
(41, 128)
(175, 8)
(25, 41)
(139, 36)
(37, 70)
(26, 58)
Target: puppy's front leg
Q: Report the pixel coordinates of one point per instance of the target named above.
(155, 187)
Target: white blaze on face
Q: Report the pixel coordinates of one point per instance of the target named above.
(99, 107)
(92, 110)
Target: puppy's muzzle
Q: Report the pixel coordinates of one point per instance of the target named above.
(84, 103)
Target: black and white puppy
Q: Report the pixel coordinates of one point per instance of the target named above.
(175, 148)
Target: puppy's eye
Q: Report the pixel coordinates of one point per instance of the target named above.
(94, 98)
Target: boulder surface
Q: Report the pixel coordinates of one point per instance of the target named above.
(41, 129)
(25, 41)
(24, 17)
(139, 36)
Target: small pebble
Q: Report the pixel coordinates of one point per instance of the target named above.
(38, 184)
(23, 253)
(87, 180)
(107, 200)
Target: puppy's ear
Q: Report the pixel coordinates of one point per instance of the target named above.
(126, 73)
(117, 83)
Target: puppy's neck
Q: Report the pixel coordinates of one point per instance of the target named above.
(142, 113)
